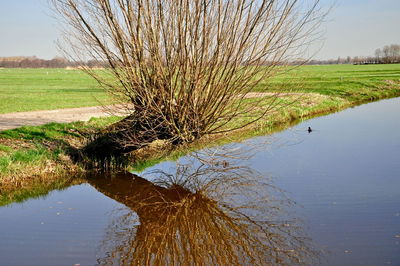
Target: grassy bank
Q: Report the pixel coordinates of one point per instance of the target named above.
(35, 160)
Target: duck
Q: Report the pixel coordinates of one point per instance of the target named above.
(309, 130)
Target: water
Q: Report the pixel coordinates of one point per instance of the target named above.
(339, 187)
(346, 175)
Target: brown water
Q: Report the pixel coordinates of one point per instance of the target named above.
(331, 197)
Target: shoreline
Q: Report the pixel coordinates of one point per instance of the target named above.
(49, 165)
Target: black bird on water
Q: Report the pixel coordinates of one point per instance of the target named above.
(309, 130)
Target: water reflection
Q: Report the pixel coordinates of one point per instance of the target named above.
(206, 213)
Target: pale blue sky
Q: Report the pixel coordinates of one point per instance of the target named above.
(354, 27)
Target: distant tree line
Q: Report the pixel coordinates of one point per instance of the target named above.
(34, 62)
(389, 54)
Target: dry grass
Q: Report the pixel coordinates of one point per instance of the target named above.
(20, 176)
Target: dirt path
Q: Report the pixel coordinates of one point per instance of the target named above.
(35, 118)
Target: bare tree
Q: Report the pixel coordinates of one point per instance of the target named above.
(378, 54)
(395, 52)
(186, 67)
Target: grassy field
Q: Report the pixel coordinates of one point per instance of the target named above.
(46, 89)
(347, 81)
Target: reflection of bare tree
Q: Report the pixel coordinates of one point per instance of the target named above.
(216, 214)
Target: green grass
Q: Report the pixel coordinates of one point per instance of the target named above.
(24, 157)
(42, 143)
(4, 148)
(56, 131)
(352, 82)
(46, 89)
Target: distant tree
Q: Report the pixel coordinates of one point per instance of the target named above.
(58, 62)
(395, 52)
(378, 54)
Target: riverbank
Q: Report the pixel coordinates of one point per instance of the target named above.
(34, 158)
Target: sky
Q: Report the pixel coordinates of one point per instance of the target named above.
(352, 28)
